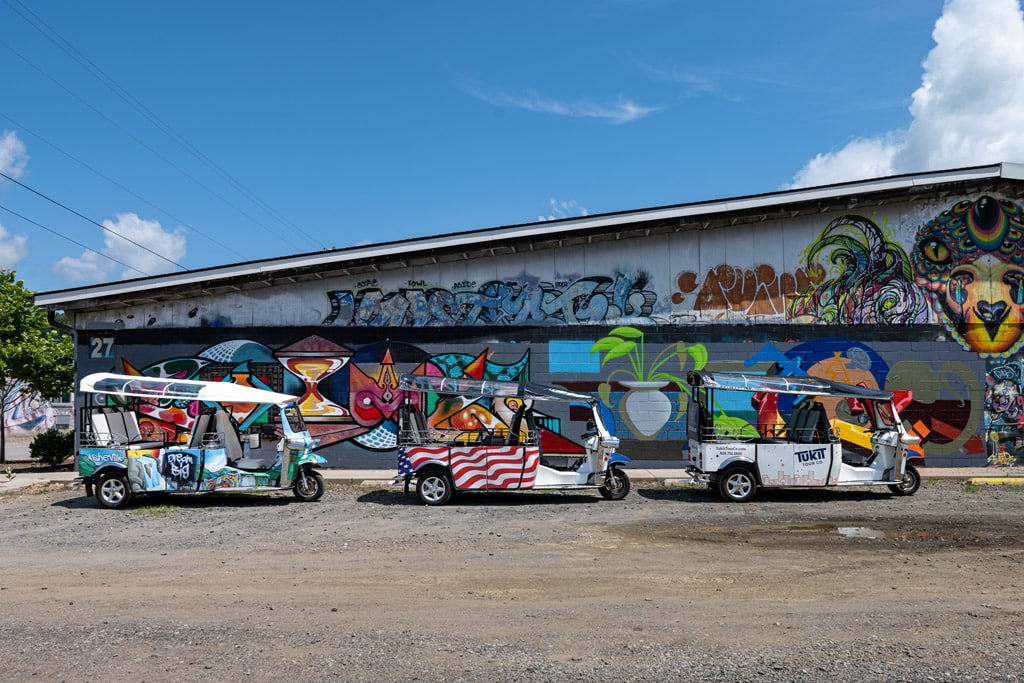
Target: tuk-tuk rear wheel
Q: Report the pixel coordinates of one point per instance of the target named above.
(434, 487)
(113, 490)
(737, 484)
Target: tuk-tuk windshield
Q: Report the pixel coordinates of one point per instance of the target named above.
(882, 415)
(294, 418)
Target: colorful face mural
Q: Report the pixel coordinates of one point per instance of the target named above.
(969, 260)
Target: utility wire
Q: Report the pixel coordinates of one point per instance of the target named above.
(99, 74)
(86, 218)
(65, 237)
(118, 185)
(141, 143)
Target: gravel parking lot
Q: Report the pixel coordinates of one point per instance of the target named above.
(669, 584)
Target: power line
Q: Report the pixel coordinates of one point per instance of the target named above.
(86, 218)
(141, 143)
(99, 74)
(65, 237)
(118, 185)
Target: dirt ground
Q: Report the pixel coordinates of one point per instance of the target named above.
(671, 583)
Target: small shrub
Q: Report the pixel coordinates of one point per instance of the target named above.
(52, 447)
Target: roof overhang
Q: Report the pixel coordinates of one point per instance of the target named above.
(376, 258)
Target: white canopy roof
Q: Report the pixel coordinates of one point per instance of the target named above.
(179, 389)
(466, 386)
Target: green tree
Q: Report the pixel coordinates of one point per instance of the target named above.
(34, 356)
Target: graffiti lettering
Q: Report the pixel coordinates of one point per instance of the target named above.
(104, 458)
(747, 291)
(179, 467)
(498, 302)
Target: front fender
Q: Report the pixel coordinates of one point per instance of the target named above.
(617, 460)
(310, 459)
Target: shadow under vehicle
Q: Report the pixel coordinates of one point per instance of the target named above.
(794, 441)
(510, 457)
(116, 460)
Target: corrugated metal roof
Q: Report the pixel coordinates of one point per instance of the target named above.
(363, 259)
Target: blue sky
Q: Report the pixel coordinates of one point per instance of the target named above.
(217, 132)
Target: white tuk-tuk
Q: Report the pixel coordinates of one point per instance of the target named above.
(794, 440)
(505, 454)
(117, 460)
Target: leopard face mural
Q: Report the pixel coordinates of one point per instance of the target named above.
(969, 260)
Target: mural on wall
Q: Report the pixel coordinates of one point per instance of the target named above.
(26, 412)
(1004, 404)
(960, 266)
(940, 402)
(519, 300)
(965, 269)
(969, 261)
(729, 291)
(345, 394)
(645, 407)
(870, 279)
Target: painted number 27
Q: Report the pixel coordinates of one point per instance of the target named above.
(101, 347)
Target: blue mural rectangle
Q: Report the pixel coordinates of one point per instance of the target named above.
(572, 356)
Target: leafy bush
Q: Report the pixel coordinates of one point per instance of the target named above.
(52, 447)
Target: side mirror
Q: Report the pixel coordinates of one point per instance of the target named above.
(909, 439)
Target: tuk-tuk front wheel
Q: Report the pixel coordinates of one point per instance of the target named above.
(309, 486)
(113, 490)
(910, 484)
(616, 485)
(737, 484)
(434, 487)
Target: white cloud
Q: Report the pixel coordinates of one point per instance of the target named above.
(561, 208)
(967, 111)
(861, 158)
(12, 248)
(92, 267)
(622, 111)
(13, 155)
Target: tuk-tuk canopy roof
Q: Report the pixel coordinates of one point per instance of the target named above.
(809, 386)
(465, 386)
(166, 388)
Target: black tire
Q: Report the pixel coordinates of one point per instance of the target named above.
(910, 484)
(616, 487)
(312, 489)
(113, 490)
(434, 487)
(737, 484)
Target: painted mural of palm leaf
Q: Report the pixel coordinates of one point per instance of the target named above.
(623, 348)
(619, 343)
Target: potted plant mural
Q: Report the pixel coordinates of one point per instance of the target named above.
(645, 407)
